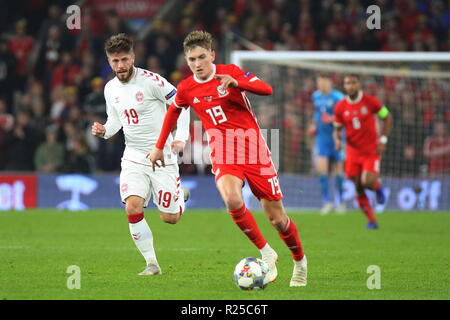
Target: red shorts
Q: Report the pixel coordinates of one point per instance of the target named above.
(262, 179)
(356, 164)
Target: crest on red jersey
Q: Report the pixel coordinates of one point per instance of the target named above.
(139, 96)
(222, 91)
(364, 110)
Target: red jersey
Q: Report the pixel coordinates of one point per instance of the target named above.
(233, 133)
(360, 123)
(437, 151)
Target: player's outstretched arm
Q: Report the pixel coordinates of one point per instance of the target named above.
(170, 119)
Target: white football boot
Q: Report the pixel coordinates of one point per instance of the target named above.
(300, 273)
(151, 269)
(187, 193)
(271, 259)
(327, 208)
(341, 208)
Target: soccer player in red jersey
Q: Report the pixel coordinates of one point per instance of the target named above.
(358, 113)
(239, 153)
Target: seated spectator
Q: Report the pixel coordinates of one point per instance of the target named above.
(49, 155)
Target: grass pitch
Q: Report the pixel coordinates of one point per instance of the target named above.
(198, 256)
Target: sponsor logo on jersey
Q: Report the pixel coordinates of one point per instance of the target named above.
(196, 100)
(117, 99)
(208, 98)
(139, 96)
(170, 94)
(247, 74)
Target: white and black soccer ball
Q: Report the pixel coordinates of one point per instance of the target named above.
(251, 274)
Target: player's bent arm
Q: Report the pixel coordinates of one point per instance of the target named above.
(170, 119)
(254, 85)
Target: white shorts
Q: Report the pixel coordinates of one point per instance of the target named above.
(164, 184)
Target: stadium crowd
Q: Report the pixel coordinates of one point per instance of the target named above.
(52, 78)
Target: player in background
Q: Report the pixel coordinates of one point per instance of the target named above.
(136, 101)
(217, 93)
(326, 155)
(357, 113)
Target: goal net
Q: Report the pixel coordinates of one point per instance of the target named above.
(415, 87)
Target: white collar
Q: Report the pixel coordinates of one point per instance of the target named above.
(358, 98)
(209, 78)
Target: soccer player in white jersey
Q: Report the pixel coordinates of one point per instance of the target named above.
(136, 101)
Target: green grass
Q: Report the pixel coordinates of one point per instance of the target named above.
(198, 256)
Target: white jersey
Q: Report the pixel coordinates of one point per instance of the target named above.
(139, 107)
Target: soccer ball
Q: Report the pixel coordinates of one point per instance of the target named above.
(251, 274)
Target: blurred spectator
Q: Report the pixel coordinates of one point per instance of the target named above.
(6, 125)
(409, 164)
(437, 150)
(49, 155)
(23, 140)
(65, 73)
(7, 69)
(78, 159)
(95, 101)
(21, 45)
(49, 53)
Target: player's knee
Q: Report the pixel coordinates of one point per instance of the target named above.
(132, 209)
(233, 201)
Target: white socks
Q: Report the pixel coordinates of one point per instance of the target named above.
(143, 238)
(266, 249)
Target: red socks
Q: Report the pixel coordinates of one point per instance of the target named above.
(291, 238)
(135, 218)
(247, 223)
(364, 205)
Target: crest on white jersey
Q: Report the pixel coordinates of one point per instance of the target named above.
(139, 96)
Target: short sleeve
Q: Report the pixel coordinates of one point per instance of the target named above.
(338, 114)
(375, 104)
(162, 89)
(180, 100)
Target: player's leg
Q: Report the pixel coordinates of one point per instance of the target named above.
(230, 188)
(370, 178)
(322, 166)
(168, 194)
(135, 193)
(354, 170)
(288, 232)
(338, 171)
(230, 183)
(364, 203)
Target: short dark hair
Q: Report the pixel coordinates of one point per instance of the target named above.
(352, 75)
(119, 43)
(198, 38)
